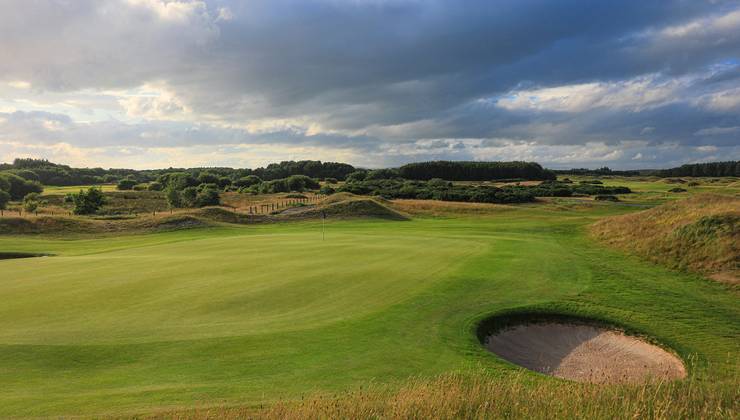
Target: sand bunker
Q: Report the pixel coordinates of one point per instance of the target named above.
(584, 353)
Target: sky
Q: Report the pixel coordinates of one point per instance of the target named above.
(375, 83)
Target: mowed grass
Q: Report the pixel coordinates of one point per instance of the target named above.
(256, 314)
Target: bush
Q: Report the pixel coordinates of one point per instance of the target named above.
(439, 182)
(207, 197)
(4, 199)
(382, 174)
(248, 181)
(327, 190)
(207, 178)
(18, 187)
(677, 190)
(224, 182)
(301, 183)
(693, 184)
(174, 200)
(31, 202)
(606, 197)
(188, 197)
(88, 202)
(155, 186)
(141, 187)
(331, 180)
(178, 180)
(357, 176)
(301, 196)
(126, 184)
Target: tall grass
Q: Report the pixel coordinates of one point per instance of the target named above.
(459, 396)
(699, 234)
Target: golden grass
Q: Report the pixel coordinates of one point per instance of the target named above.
(446, 208)
(458, 396)
(699, 234)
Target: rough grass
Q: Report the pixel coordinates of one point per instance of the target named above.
(484, 397)
(701, 234)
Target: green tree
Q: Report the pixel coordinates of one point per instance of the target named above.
(188, 196)
(174, 200)
(4, 199)
(31, 202)
(88, 202)
(207, 197)
(126, 184)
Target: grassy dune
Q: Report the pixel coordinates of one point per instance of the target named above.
(250, 315)
(700, 233)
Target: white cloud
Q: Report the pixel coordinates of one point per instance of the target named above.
(717, 131)
(634, 94)
(727, 100)
(19, 84)
(154, 102)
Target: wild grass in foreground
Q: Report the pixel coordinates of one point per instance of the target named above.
(483, 397)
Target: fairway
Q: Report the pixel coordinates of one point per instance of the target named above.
(254, 314)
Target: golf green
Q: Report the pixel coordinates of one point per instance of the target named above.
(253, 314)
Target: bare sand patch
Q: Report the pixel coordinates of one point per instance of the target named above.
(584, 353)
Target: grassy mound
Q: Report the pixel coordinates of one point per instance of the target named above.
(62, 225)
(45, 224)
(699, 234)
(346, 206)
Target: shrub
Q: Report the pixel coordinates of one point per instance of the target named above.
(296, 196)
(141, 187)
(207, 178)
(207, 197)
(155, 186)
(327, 190)
(188, 197)
(224, 182)
(178, 180)
(31, 202)
(174, 200)
(4, 199)
(248, 181)
(606, 197)
(18, 187)
(211, 186)
(439, 183)
(693, 184)
(4, 184)
(301, 183)
(331, 180)
(357, 176)
(88, 202)
(677, 190)
(382, 174)
(126, 184)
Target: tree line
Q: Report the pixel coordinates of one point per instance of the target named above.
(474, 171)
(715, 169)
(49, 173)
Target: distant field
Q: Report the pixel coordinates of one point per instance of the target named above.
(48, 190)
(255, 314)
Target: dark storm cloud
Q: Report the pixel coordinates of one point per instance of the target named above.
(384, 76)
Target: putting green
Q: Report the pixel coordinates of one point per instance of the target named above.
(255, 314)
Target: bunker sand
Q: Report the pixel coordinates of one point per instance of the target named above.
(585, 353)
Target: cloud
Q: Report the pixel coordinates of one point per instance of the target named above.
(378, 82)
